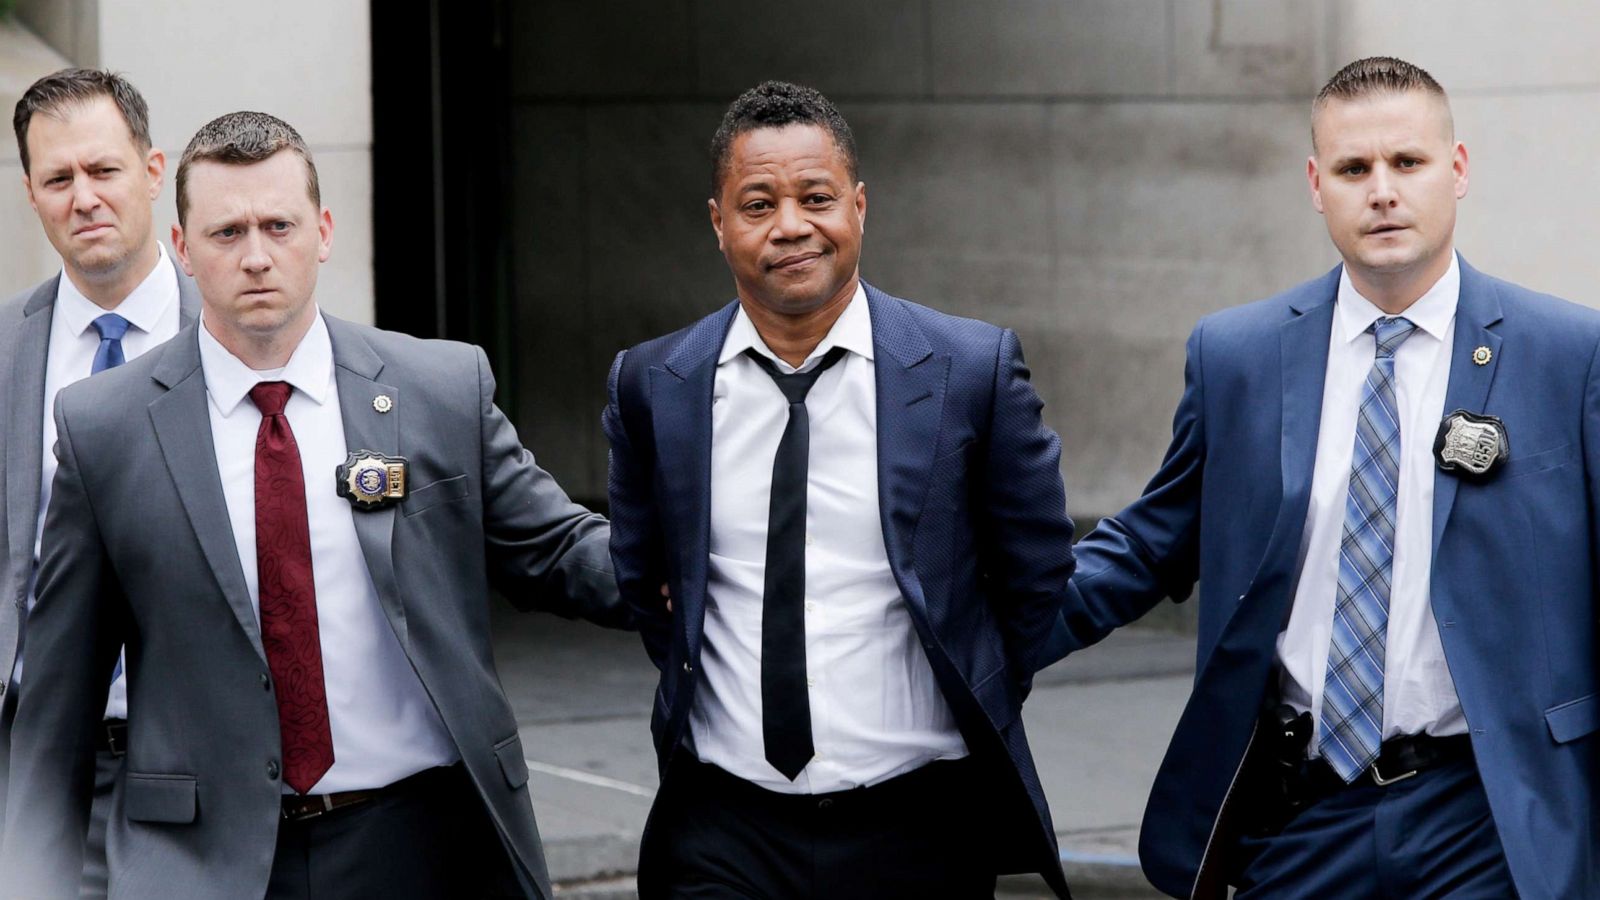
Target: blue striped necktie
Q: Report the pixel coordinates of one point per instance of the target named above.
(1352, 696)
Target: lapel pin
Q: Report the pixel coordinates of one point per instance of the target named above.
(383, 402)
(1471, 445)
(1482, 355)
(370, 480)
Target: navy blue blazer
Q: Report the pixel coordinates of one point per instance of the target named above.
(973, 510)
(1513, 575)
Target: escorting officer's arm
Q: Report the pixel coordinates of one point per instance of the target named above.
(1150, 550)
(1024, 534)
(544, 551)
(636, 546)
(74, 635)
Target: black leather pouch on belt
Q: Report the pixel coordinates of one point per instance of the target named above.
(1275, 778)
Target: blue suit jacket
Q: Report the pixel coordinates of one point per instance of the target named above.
(972, 508)
(1513, 575)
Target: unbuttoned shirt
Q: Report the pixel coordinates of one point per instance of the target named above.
(152, 311)
(1418, 693)
(876, 711)
(384, 726)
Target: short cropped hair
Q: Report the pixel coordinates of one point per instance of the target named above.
(1375, 76)
(57, 92)
(241, 138)
(774, 104)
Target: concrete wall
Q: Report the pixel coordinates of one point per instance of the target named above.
(306, 61)
(1096, 174)
(25, 255)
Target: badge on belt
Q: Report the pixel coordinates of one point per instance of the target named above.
(1470, 445)
(370, 480)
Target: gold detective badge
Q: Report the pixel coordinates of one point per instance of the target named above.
(370, 480)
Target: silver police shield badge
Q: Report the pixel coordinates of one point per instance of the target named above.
(371, 480)
(1470, 445)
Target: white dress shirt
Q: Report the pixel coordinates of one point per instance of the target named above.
(876, 711)
(152, 311)
(1418, 693)
(384, 726)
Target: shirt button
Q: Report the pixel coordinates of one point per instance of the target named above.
(808, 539)
(811, 682)
(272, 769)
(811, 606)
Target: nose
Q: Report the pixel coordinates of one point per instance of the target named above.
(256, 260)
(84, 198)
(1384, 193)
(792, 222)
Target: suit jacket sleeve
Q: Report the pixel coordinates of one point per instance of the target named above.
(1150, 550)
(1025, 536)
(75, 633)
(544, 551)
(636, 546)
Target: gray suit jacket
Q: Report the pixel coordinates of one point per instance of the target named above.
(24, 343)
(139, 551)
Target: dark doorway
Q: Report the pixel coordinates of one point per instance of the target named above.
(441, 154)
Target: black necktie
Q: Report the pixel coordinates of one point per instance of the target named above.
(785, 702)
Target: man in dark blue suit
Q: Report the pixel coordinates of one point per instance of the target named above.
(1384, 481)
(859, 514)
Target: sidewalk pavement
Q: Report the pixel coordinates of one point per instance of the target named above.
(1098, 723)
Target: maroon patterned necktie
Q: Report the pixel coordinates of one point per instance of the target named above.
(288, 596)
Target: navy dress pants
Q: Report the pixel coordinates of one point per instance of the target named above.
(1429, 836)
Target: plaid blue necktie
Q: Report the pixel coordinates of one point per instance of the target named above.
(1352, 697)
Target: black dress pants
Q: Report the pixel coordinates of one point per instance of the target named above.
(713, 835)
(429, 838)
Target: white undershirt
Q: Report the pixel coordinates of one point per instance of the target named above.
(384, 726)
(1418, 693)
(152, 311)
(876, 711)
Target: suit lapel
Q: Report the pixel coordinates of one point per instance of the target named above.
(911, 391)
(680, 403)
(1303, 369)
(1477, 310)
(356, 369)
(25, 434)
(183, 429)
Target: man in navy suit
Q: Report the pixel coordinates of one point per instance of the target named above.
(859, 514)
(1384, 482)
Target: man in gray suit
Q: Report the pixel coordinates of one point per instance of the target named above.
(91, 174)
(292, 522)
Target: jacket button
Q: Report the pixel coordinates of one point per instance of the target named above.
(687, 668)
(266, 682)
(2, 688)
(272, 769)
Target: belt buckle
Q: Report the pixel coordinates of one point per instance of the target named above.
(301, 815)
(1380, 781)
(116, 747)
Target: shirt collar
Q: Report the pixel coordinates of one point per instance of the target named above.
(1433, 312)
(143, 308)
(229, 380)
(852, 331)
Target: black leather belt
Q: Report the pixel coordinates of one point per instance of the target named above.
(300, 807)
(113, 737)
(1398, 759)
